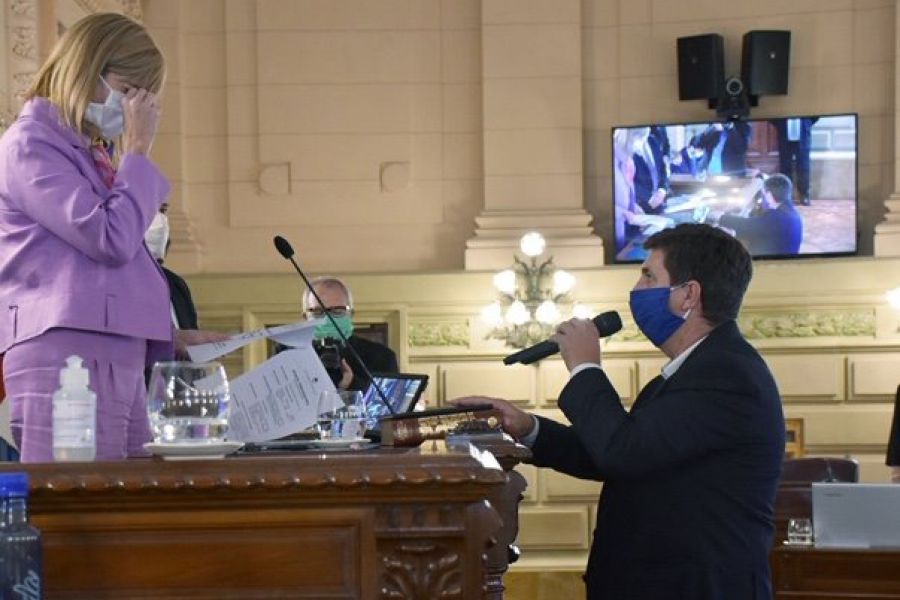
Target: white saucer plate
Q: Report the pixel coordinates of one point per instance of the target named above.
(341, 444)
(197, 451)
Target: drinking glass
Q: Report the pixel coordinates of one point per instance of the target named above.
(341, 415)
(800, 531)
(188, 402)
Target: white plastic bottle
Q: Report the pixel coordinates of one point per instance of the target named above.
(74, 415)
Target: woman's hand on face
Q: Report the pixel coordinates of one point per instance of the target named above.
(141, 110)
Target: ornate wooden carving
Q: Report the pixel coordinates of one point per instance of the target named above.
(421, 569)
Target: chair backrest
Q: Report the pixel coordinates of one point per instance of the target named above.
(794, 496)
(811, 469)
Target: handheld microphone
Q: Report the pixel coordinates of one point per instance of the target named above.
(287, 251)
(606, 323)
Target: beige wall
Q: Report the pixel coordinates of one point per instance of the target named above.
(352, 128)
(356, 128)
(361, 129)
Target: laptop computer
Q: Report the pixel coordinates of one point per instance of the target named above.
(402, 391)
(856, 515)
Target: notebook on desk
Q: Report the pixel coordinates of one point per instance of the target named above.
(856, 515)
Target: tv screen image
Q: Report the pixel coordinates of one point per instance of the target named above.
(402, 391)
(785, 186)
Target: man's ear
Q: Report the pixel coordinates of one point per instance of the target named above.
(694, 299)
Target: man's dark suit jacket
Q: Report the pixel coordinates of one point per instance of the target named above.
(775, 232)
(689, 475)
(378, 357)
(893, 449)
(734, 152)
(180, 295)
(643, 177)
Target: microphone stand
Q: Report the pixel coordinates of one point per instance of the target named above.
(287, 251)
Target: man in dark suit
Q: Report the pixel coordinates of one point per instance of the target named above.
(776, 228)
(651, 171)
(182, 302)
(794, 146)
(893, 449)
(339, 303)
(725, 148)
(184, 313)
(690, 472)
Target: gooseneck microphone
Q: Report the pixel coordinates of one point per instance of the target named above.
(286, 250)
(606, 323)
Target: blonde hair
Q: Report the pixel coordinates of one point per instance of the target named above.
(94, 46)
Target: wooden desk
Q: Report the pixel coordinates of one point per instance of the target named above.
(819, 574)
(382, 524)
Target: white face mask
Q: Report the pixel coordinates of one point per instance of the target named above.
(109, 117)
(157, 236)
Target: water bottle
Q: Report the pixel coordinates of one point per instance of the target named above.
(74, 415)
(20, 543)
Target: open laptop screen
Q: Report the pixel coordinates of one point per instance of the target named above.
(402, 391)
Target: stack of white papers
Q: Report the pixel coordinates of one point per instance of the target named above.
(280, 396)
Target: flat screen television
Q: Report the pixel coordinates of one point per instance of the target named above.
(719, 172)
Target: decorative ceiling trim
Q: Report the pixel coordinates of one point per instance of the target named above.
(129, 8)
(22, 56)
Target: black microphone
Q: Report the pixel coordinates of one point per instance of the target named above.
(286, 250)
(606, 323)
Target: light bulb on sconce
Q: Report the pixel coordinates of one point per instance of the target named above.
(505, 282)
(532, 244)
(893, 298)
(517, 313)
(532, 297)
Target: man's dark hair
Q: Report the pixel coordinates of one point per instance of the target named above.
(781, 188)
(708, 255)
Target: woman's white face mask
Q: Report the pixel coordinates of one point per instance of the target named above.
(109, 117)
(157, 236)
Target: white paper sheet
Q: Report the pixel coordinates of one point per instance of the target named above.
(294, 334)
(279, 397)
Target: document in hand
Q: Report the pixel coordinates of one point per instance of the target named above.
(279, 397)
(296, 335)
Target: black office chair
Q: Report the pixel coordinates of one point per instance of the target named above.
(808, 470)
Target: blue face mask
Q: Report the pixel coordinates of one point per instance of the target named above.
(650, 309)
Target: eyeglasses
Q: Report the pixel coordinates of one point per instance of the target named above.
(334, 311)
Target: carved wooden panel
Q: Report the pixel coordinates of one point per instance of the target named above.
(388, 524)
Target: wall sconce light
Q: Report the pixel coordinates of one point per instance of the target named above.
(893, 298)
(532, 297)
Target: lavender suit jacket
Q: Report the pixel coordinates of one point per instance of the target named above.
(72, 251)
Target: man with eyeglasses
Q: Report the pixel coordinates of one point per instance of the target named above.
(339, 304)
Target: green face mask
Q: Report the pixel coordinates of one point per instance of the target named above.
(327, 330)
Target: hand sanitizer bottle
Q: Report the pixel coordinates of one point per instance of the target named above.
(74, 415)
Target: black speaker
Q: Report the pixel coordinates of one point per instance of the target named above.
(701, 66)
(765, 62)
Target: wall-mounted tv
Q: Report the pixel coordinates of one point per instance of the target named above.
(786, 187)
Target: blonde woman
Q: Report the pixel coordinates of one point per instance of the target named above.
(75, 275)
